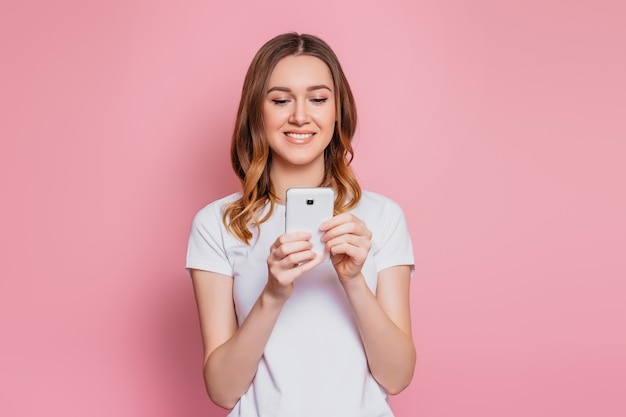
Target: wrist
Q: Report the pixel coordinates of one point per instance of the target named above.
(354, 284)
(273, 298)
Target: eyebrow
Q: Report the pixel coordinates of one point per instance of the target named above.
(311, 88)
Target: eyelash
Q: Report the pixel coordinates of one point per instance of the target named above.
(282, 102)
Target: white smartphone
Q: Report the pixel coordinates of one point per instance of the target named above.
(306, 209)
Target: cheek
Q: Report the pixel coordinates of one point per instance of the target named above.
(266, 113)
(332, 115)
(268, 119)
(325, 116)
(273, 117)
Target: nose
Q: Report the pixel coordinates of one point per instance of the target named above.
(300, 114)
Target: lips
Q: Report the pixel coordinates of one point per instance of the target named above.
(299, 138)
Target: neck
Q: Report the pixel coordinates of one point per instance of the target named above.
(283, 177)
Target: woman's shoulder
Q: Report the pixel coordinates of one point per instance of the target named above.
(378, 209)
(222, 201)
(215, 209)
(385, 218)
(371, 200)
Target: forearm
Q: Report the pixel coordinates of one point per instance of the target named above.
(390, 351)
(230, 369)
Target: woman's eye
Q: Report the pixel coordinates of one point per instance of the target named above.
(319, 100)
(280, 101)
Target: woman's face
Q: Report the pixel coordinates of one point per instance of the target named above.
(299, 111)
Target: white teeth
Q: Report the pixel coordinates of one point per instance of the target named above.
(299, 135)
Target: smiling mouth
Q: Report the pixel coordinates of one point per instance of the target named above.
(298, 136)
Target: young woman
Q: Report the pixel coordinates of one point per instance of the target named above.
(287, 332)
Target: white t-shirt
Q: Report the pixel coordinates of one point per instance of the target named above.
(314, 363)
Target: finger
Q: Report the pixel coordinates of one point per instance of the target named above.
(357, 254)
(337, 220)
(291, 248)
(352, 224)
(354, 248)
(354, 240)
(289, 243)
(357, 229)
(297, 258)
(291, 237)
(307, 266)
(285, 273)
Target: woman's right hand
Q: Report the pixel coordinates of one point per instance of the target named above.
(290, 257)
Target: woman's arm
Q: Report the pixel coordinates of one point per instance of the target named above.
(383, 320)
(385, 326)
(232, 353)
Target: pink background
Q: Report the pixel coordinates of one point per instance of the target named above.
(499, 126)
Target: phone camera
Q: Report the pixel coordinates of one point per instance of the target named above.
(310, 202)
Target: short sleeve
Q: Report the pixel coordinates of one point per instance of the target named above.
(394, 243)
(206, 249)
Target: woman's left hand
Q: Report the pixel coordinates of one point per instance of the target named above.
(349, 241)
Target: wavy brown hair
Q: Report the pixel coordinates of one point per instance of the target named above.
(250, 153)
